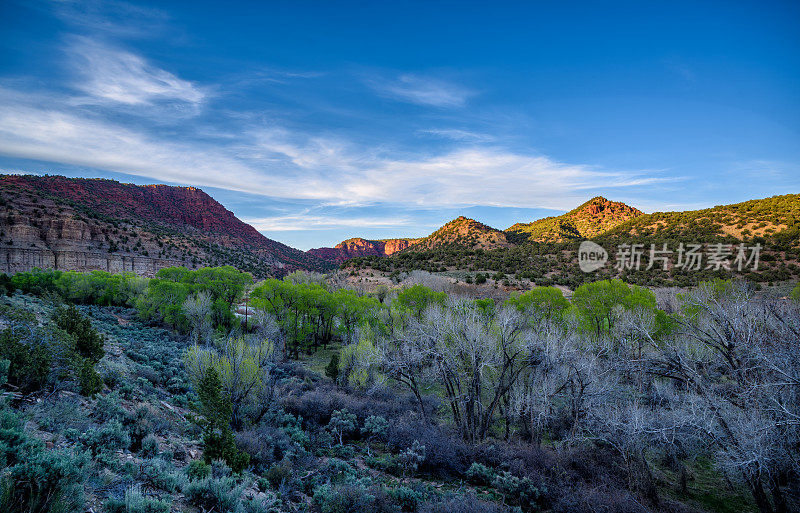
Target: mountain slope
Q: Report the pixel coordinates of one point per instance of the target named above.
(775, 216)
(593, 218)
(76, 223)
(463, 232)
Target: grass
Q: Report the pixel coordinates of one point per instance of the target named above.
(706, 488)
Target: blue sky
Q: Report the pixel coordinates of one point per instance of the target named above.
(319, 121)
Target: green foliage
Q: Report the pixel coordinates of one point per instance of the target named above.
(277, 475)
(29, 360)
(342, 424)
(416, 299)
(795, 294)
(136, 502)
(7, 286)
(243, 368)
(595, 303)
(89, 380)
(197, 470)
(307, 313)
(101, 288)
(166, 293)
(87, 344)
(218, 439)
(36, 282)
(544, 302)
(36, 480)
(518, 491)
(332, 369)
(481, 474)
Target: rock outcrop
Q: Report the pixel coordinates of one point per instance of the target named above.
(82, 224)
(357, 247)
(593, 218)
(464, 232)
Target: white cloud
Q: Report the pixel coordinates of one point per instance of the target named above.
(455, 134)
(422, 91)
(109, 74)
(283, 164)
(303, 221)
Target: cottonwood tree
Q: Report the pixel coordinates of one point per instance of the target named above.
(244, 368)
(738, 363)
(197, 309)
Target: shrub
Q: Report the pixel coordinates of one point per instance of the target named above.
(277, 474)
(519, 491)
(446, 453)
(110, 437)
(29, 360)
(108, 407)
(218, 439)
(149, 446)
(480, 474)
(332, 369)
(338, 471)
(89, 380)
(351, 498)
(386, 463)
(342, 423)
(218, 494)
(41, 481)
(136, 502)
(410, 459)
(406, 498)
(139, 426)
(462, 504)
(197, 470)
(87, 341)
(265, 445)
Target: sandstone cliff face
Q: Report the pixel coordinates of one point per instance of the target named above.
(357, 247)
(66, 223)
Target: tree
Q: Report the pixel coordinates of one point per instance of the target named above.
(218, 439)
(416, 299)
(342, 423)
(540, 303)
(597, 303)
(332, 369)
(374, 426)
(244, 369)
(197, 310)
(737, 360)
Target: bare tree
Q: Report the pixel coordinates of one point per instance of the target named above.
(197, 309)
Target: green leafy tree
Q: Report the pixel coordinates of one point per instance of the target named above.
(541, 303)
(416, 299)
(596, 302)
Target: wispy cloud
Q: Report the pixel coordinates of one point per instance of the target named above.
(287, 164)
(422, 91)
(109, 17)
(304, 221)
(109, 74)
(455, 134)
